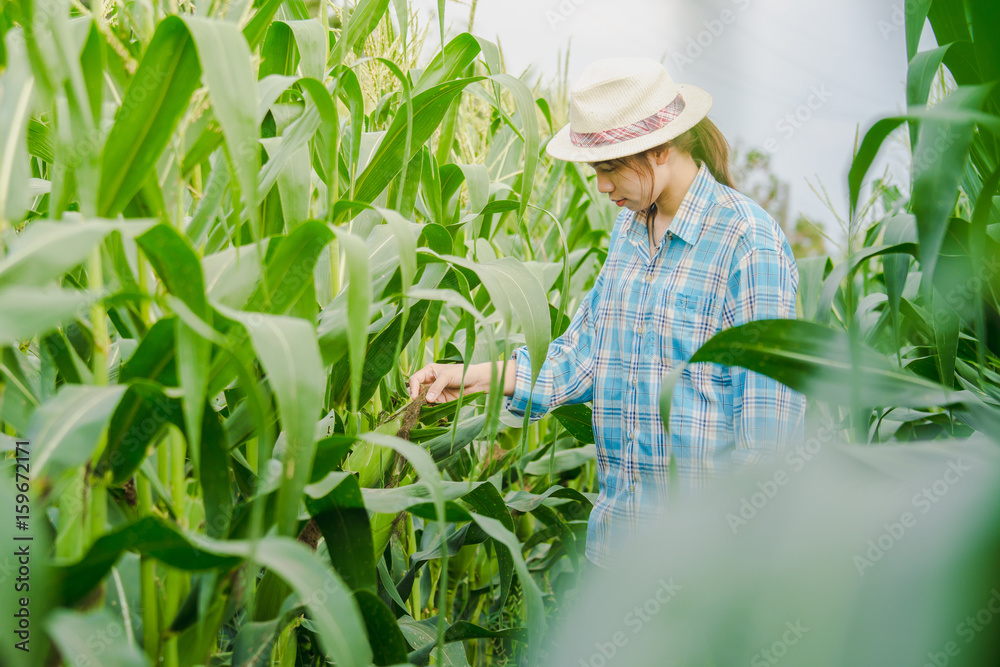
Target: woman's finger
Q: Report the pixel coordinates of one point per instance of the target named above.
(414, 384)
(444, 380)
(421, 377)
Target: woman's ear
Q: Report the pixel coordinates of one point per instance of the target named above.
(661, 154)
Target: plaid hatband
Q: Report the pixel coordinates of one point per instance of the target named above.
(647, 125)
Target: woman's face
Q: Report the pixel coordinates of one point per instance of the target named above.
(626, 187)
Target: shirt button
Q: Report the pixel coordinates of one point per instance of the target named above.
(638, 329)
(649, 278)
(633, 382)
(631, 488)
(631, 436)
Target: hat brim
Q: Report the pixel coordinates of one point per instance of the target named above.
(697, 103)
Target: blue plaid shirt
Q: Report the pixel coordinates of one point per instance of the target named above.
(723, 262)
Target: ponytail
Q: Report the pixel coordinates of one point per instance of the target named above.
(705, 143)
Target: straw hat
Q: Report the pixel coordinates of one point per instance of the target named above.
(623, 106)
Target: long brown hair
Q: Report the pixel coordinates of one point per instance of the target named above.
(704, 142)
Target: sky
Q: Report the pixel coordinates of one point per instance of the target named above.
(796, 78)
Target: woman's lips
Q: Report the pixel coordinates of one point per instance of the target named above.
(619, 202)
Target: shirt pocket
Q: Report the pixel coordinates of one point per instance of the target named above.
(683, 322)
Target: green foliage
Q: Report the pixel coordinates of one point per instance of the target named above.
(909, 317)
(230, 231)
(296, 232)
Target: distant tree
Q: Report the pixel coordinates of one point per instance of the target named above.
(752, 175)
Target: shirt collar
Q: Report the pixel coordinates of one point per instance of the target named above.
(687, 221)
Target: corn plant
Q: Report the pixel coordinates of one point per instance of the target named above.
(229, 231)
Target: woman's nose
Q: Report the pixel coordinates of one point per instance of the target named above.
(604, 184)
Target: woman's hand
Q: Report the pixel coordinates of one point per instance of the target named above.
(446, 379)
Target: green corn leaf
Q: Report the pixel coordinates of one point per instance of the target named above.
(46, 250)
(411, 496)
(984, 18)
(387, 641)
(421, 633)
(349, 90)
(69, 427)
(334, 613)
(916, 17)
(256, 28)
(233, 274)
(154, 102)
(847, 268)
(532, 595)
(364, 18)
(289, 353)
(525, 501)
(567, 459)
(358, 304)
(449, 63)
(529, 133)
(29, 311)
(290, 267)
(311, 40)
(939, 160)
(429, 108)
(814, 360)
(255, 642)
(462, 631)
(93, 638)
(577, 420)
(233, 94)
(424, 466)
(141, 415)
(870, 146)
(15, 112)
(341, 516)
(920, 75)
(485, 500)
(213, 475)
(178, 266)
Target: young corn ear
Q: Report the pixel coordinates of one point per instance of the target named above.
(371, 461)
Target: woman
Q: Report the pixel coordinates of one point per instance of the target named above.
(689, 256)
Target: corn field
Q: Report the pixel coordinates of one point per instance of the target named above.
(230, 231)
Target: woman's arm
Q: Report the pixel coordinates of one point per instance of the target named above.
(446, 380)
(566, 375)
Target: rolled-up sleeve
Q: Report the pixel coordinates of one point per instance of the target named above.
(567, 375)
(767, 415)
